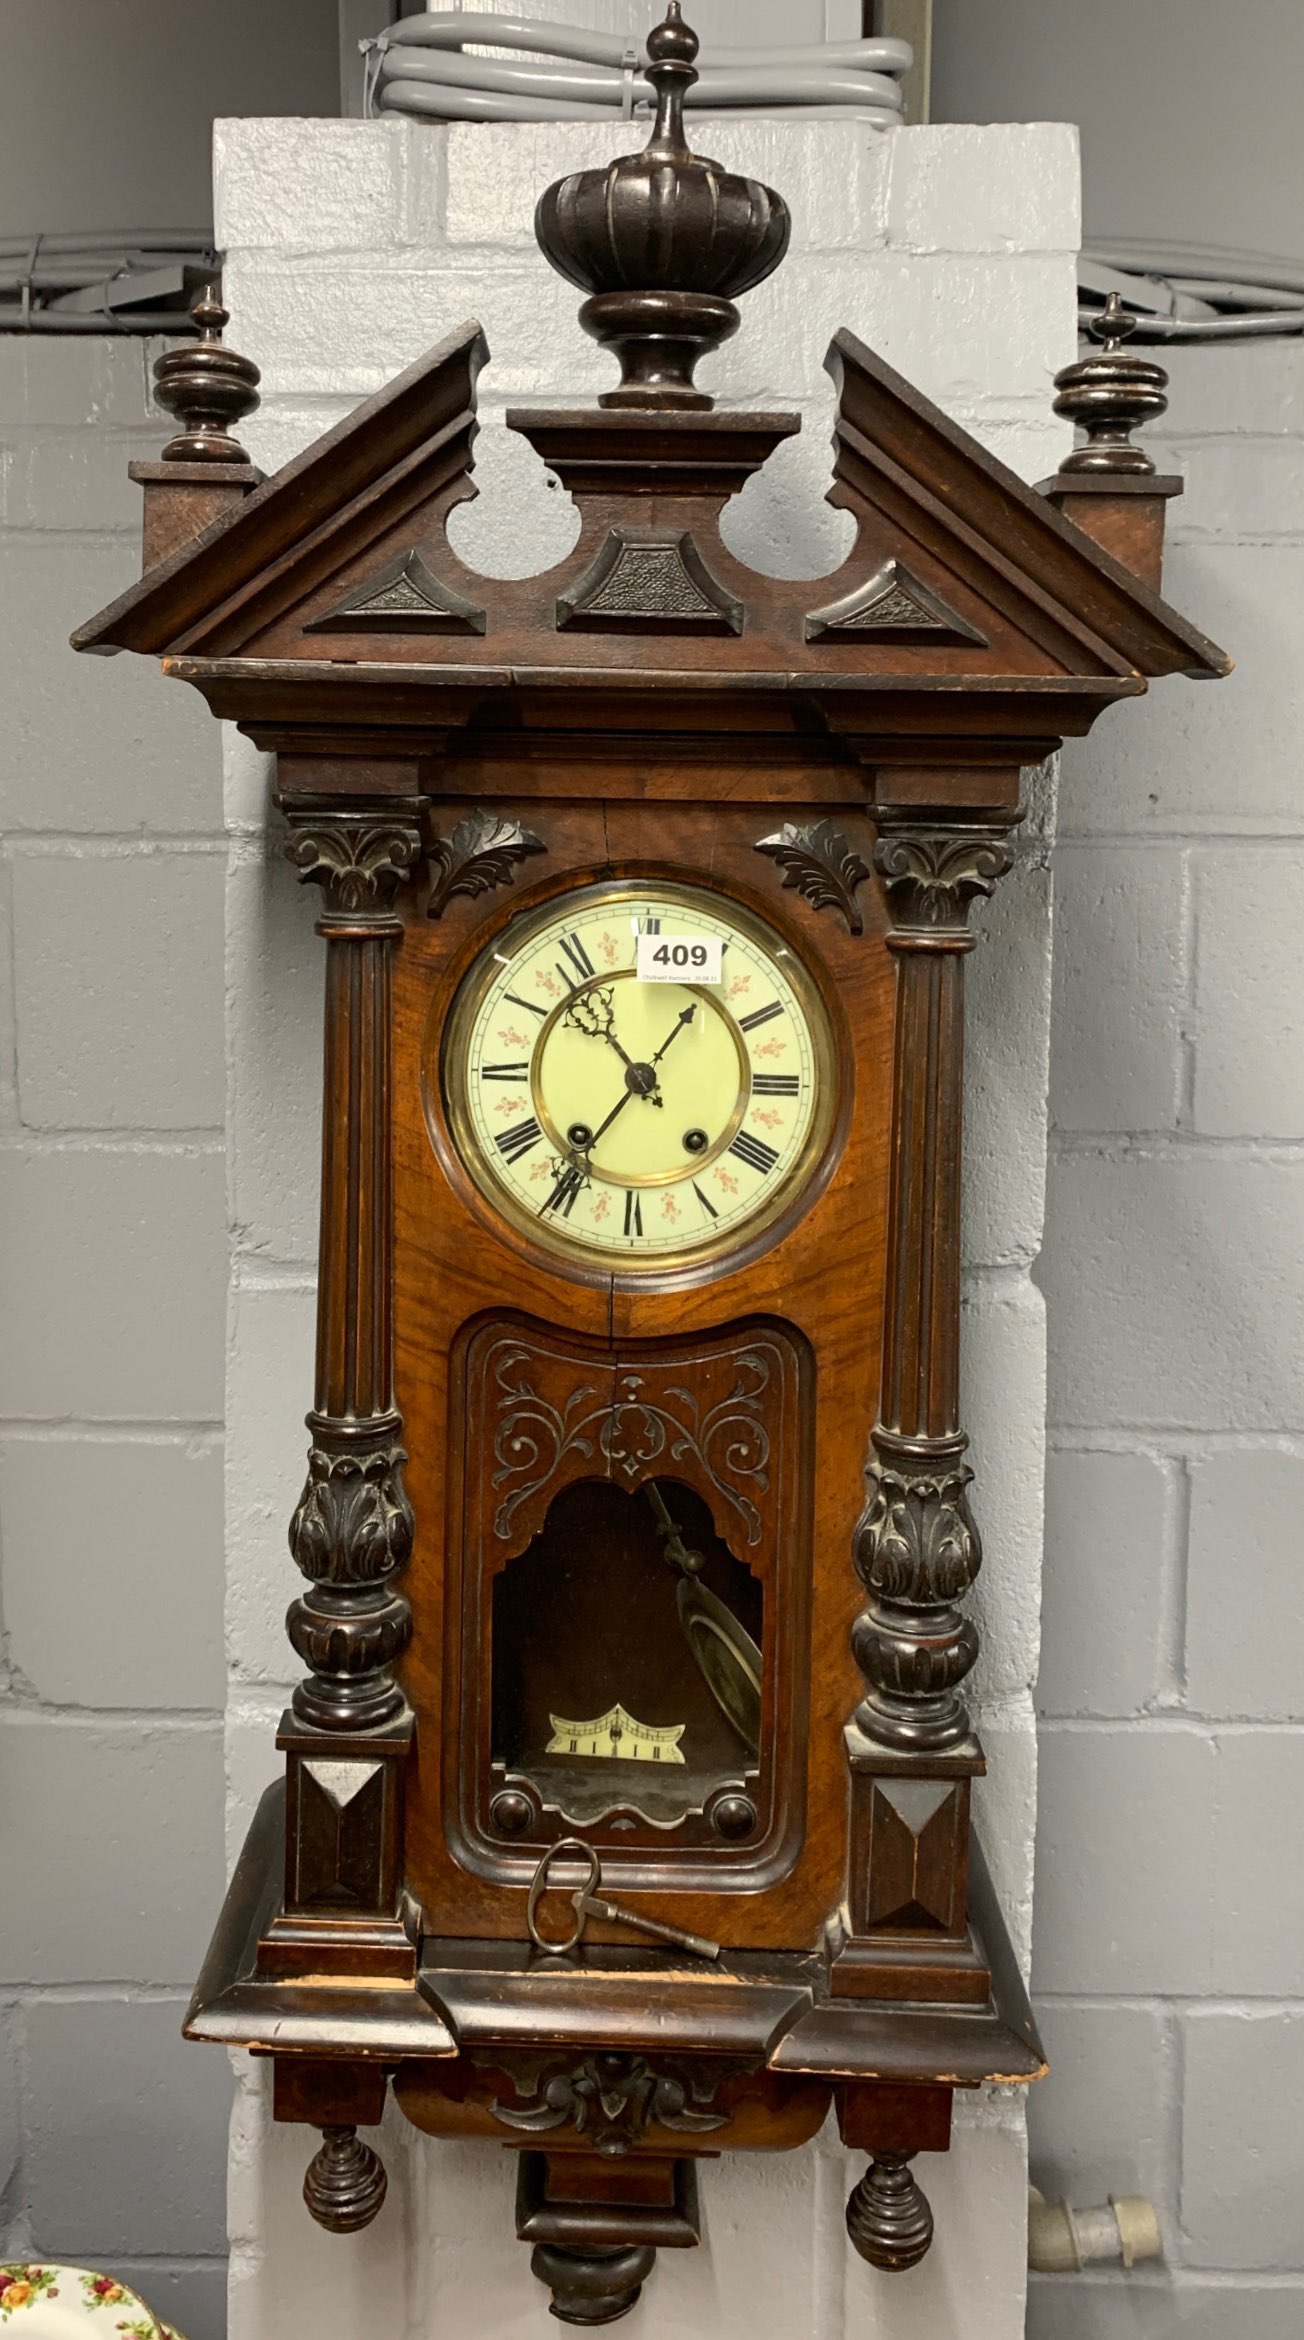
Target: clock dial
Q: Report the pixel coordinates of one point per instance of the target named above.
(621, 1104)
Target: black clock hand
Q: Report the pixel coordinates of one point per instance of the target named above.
(689, 1012)
(593, 1029)
(603, 1126)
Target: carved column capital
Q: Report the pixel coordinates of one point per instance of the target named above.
(359, 859)
(933, 874)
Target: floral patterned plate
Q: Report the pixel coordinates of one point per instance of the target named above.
(45, 2302)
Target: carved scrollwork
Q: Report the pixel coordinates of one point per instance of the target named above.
(634, 1430)
(612, 2100)
(933, 875)
(358, 859)
(481, 853)
(353, 1523)
(816, 858)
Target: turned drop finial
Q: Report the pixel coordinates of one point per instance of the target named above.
(207, 387)
(662, 241)
(1109, 395)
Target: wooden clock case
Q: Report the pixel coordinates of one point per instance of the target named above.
(842, 757)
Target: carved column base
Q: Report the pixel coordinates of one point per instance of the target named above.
(346, 2182)
(888, 2217)
(903, 1932)
(343, 1910)
(592, 2287)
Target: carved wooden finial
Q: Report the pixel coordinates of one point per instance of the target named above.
(207, 387)
(662, 240)
(1109, 394)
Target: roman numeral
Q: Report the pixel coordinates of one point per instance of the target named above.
(511, 1072)
(515, 1142)
(705, 1201)
(650, 926)
(754, 1151)
(573, 949)
(531, 1004)
(760, 1016)
(633, 1212)
(775, 1085)
(562, 1198)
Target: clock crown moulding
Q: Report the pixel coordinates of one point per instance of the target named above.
(637, 1509)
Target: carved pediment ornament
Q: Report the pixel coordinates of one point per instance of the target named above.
(405, 597)
(650, 581)
(894, 606)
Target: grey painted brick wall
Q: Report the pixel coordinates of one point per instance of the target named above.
(112, 1283)
(1169, 1938)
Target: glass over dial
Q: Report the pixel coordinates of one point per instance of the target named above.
(637, 1074)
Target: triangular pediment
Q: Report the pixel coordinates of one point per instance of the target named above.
(960, 577)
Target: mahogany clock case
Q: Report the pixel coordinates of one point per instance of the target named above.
(746, 1378)
(664, 1551)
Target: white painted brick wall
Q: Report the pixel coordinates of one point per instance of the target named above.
(112, 1218)
(351, 247)
(1170, 1910)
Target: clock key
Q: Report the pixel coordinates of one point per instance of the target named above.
(586, 1903)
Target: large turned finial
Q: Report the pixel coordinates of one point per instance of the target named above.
(662, 240)
(207, 387)
(1110, 394)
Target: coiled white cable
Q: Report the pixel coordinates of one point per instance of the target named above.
(420, 68)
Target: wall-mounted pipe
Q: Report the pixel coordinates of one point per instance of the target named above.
(1061, 2240)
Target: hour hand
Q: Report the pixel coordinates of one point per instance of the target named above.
(594, 1014)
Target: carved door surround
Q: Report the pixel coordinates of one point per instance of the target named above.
(724, 1415)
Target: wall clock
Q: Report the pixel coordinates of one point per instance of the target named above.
(626, 1817)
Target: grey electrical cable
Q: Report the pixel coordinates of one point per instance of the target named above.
(1189, 293)
(420, 67)
(129, 280)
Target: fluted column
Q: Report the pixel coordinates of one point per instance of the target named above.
(916, 1547)
(351, 1533)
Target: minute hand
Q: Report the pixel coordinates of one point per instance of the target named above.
(686, 1018)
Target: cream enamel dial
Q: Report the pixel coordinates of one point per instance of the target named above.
(638, 1121)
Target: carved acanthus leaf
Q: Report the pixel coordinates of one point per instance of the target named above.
(481, 853)
(353, 1524)
(816, 858)
(916, 1542)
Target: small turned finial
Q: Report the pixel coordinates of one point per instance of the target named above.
(1110, 394)
(889, 2219)
(207, 387)
(346, 2183)
(662, 241)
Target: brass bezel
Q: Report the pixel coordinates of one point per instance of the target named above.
(558, 1242)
